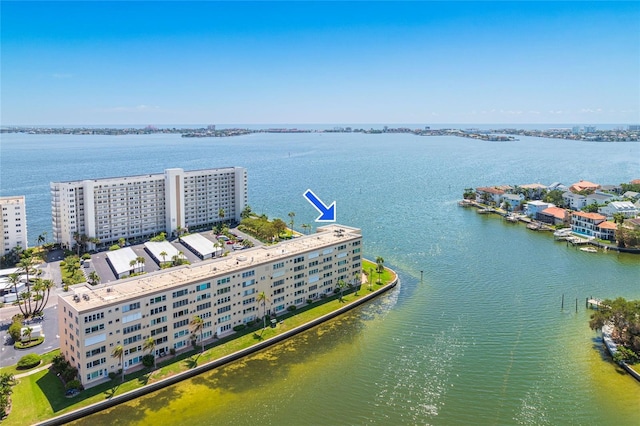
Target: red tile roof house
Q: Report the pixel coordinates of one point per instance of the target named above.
(584, 185)
(592, 225)
(554, 216)
(489, 195)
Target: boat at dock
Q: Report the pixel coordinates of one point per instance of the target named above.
(589, 249)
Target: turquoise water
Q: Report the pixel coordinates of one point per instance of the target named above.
(481, 339)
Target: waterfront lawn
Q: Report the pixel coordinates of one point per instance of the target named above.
(46, 359)
(40, 396)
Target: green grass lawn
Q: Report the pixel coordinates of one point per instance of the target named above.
(40, 396)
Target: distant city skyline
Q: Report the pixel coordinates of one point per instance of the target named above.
(97, 63)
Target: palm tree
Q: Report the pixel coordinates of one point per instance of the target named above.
(263, 298)
(197, 325)
(132, 263)
(118, 352)
(380, 267)
(14, 279)
(341, 285)
(140, 261)
(306, 227)
(94, 278)
(246, 212)
(150, 345)
(27, 332)
(291, 216)
(221, 214)
(164, 256)
(41, 239)
(121, 242)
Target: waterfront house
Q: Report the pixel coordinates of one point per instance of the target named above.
(489, 195)
(533, 191)
(557, 185)
(599, 198)
(554, 216)
(584, 185)
(592, 225)
(514, 200)
(532, 208)
(626, 208)
(631, 195)
(574, 201)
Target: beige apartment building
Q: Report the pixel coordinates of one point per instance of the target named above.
(139, 207)
(14, 223)
(223, 292)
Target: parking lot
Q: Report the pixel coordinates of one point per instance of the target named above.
(100, 264)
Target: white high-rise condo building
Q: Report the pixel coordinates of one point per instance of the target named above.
(139, 207)
(14, 223)
(224, 293)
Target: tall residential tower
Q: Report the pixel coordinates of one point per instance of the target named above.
(139, 207)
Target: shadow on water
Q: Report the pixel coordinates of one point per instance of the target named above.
(132, 413)
(240, 376)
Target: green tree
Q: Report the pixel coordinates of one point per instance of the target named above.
(14, 280)
(306, 228)
(197, 327)
(291, 216)
(263, 299)
(94, 278)
(340, 286)
(246, 212)
(279, 226)
(164, 256)
(618, 218)
(591, 208)
(150, 345)
(555, 197)
(121, 242)
(379, 267)
(469, 194)
(118, 352)
(624, 317)
(221, 213)
(27, 333)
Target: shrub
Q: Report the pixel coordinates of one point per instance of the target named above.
(86, 256)
(112, 375)
(172, 351)
(309, 301)
(15, 331)
(291, 308)
(114, 247)
(33, 342)
(73, 384)
(29, 361)
(239, 327)
(147, 360)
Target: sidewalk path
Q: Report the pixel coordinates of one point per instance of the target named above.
(34, 371)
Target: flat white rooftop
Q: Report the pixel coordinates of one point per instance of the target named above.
(121, 259)
(134, 288)
(200, 244)
(157, 247)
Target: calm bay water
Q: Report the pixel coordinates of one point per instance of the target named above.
(480, 340)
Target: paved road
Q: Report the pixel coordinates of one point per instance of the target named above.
(9, 355)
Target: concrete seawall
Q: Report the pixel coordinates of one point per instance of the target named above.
(136, 393)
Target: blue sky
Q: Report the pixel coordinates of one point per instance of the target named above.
(333, 62)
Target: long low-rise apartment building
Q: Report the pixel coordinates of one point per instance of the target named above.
(223, 292)
(102, 211)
